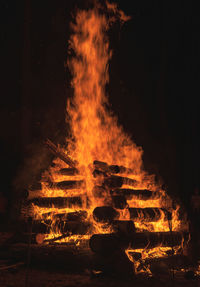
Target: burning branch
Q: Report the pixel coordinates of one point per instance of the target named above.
(59, 153)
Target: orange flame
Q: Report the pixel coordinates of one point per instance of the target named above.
(96, 134)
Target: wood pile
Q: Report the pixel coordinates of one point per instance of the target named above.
(109, 182)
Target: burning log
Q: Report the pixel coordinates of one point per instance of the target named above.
(59, 202)
(33, 194)
(108, 213)
(149, 214)
(56, 151)
(35, 186)
(103, 166)
(123, 227)
(80, 215)
(68, 171)
(133, 193)
(70, 184)
(105, 214)
(151, 240)
(119, 201)
(108, 243)
(71, 227)
(115, 181)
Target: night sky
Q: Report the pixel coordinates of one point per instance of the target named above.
(154, 86)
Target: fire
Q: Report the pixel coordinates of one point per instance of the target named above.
(96, 135)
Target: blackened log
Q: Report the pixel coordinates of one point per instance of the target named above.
(44, 227)
(103, 166)
(133, 193)
(69, 184)
(149, 214)
(105, 214)
(151, 240)
(59, 202)
(108, 243)
(97, 173)
(68, 171)
(71, 216)
(108, 213)
(119, 169)
(34, 194)
(52, 255)
(123, 227)
(35, 186)
(115, 181)
(59, 153)
(119, 201)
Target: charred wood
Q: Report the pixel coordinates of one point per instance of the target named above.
(52, 255)
(70, 184)
(133, 193)
(119, 201)
(68, 171)
(105, 214)
(108, 213)
(71, 216)
(59, 153)
(149, 214)
(123, 227)
(115, 181)
(58, 202)
(44, 227)
(108, 243)
(35, 186)
(103, 166)
(97, 173)
(151, 240)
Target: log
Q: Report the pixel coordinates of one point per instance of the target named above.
(68, 171)
(103, 166)
(97, 173)
(59, 153)
(149, 214)
(70, 184)
(105, 214)
(115, 181)
(33, 194)
(108, 243)
(66, 257)
(71, 216)
(133, 193)
(35, 186)
(108, 213)
(123, 227)
(59, 202)
(44, 227)
(151, 240)
(119, 201)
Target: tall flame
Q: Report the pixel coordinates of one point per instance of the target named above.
(95, 132)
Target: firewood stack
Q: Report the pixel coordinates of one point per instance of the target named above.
(115, 189)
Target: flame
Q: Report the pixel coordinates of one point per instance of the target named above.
(96, 134)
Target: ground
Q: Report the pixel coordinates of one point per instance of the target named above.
(43, 278)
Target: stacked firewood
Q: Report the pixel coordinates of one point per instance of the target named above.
(109, 182)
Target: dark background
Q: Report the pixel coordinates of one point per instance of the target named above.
(154, 87)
